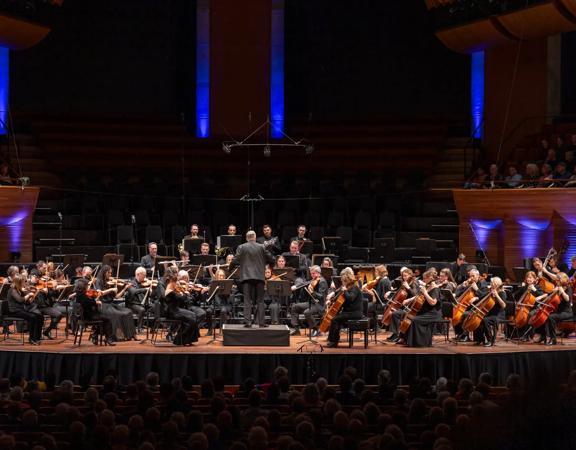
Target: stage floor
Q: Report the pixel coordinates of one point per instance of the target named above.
(133, 360)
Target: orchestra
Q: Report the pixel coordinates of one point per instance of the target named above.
(314, 298)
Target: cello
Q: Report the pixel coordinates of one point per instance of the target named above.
(396, 302)
(525, 303)
(332, 311)
(415, 308)
(462, 304)
(478, 312)
(544, 309)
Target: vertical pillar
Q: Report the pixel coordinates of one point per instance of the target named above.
(4, 88)
(277, 69)
(203, 68)
(477, 94)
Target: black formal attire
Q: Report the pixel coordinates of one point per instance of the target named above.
(384, 285)
(563, 312)
(525, 331)
(224, 303)
(272, 244)
(45, 304)
(135, 298)
(120, 316)
(421, 331)
(19, 308)
(175, 310)
(90, 311)
(482, 291)
(459, 272)
(252, 258)
(148, 263)
(398, 315)
(486, 331)
(273, 303)
(311, 308)
(303, 264)
(351, 310)
(203, 315)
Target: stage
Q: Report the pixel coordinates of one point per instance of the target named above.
(133, 360)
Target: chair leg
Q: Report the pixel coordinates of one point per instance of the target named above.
(365, 339)
(350, 338)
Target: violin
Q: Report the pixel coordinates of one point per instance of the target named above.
(371, 284)
(116, 282)
(149, 283)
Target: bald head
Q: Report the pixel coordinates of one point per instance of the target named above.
(251, 236)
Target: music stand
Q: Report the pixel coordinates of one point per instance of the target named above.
(113, 260)
(229, 241)
(306, 247)
(281, 289)
(204, 260)
(192, 246)
(332, 244)
(73, 261)
(327, 273)
(220, 287)
(287, 273)
(292, 261)
(321, 256)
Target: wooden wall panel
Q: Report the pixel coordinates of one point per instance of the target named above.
(530, 222)
(17, 207)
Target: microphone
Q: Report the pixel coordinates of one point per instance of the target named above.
(133, 217)
(60, 216)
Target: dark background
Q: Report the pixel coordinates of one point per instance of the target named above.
(344, 59)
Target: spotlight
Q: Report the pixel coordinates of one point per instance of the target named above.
(267, 151)
(309, 149)
(226, 148)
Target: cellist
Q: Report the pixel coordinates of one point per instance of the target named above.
(351, 309)
(484, 335)
(376, 295)
(410, 284)
(563, 311)
(420, 332)
(480, 287)
(530, 285)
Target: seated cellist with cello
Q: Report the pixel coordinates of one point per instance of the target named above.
(410, 286)
(423, 309)
(480, 287)
(351, 308)
(484, 334)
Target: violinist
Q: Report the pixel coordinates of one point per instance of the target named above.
(91, 310)
(45, 298)
(40, 269)
(377, 294)
(19, 300)
(175, 298)
(316, 292)
(194, 293)
(137, 292)
(563, 311)
(351, 309)
(120, 316)
(485, 334)
(410, 285)
(480, 288)
(445, 283)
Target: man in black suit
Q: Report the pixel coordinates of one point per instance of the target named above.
(149, 261)
(252, 258)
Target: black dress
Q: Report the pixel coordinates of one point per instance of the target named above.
(487, 328)
(120, 316)
(90, 312)
(188, 332)
(563, 312)
(19, 308)
(351, 310)
(421, 331)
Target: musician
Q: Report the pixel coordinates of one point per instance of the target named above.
(40, 269)
(280, 262)
(110, 296)
(194, 230)
(530, 284)
(327, 264)
(480, 287)
(301, 236)
(223, 302)
(91, 310)
(563, 311)
(176, 299)
(45, 303)
(409, 284)
(252, 258)
(185, 257)
(149, 261)
(351, 309)
(273, 301)
(459, 269)
(303, 261)
(377, 295)
(138, 293)
(231, 231)
(446, 282)
(420, 331)
(556, 267)
(272, 243)
(312, 304)
(485, 334)
(194, 292)
(19, 300)
(572, 269)
(205, 248)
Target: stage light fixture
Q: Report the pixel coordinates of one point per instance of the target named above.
(267, 151)
(226, 148)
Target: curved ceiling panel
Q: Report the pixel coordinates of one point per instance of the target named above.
(17, 34)
(536, 22)
(473, 37)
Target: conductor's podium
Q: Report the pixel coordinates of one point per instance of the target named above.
(272, 336)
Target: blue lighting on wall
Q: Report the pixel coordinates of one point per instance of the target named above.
(14, 225)
(534, 236)
(482, 228)
(203, 68)
(277, 69)
(477, 93)
(4, 87)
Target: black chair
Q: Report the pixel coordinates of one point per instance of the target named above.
(164, 326)
(153, 233)
(8, 321)
(80, 325)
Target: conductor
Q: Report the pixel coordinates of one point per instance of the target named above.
(252, 258)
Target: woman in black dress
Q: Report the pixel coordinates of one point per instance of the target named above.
(90, 310)
(351, 309)
(563, 311)
(122, 318)
(485, 334)
(175, 300)
(19, 305)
